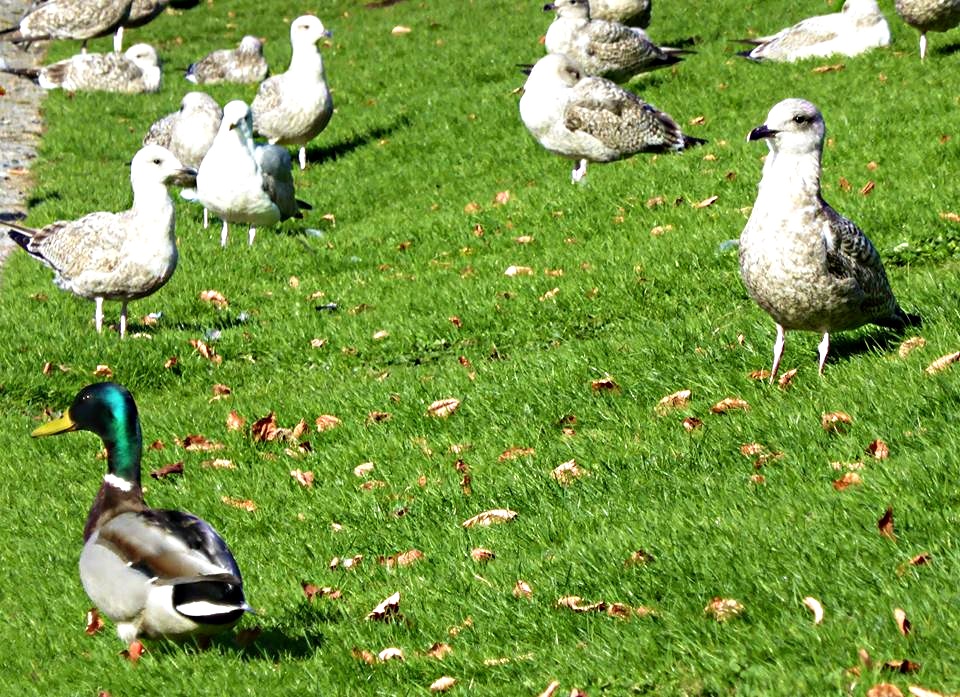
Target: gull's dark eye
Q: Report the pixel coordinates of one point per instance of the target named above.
(157, 161)
(801, 118)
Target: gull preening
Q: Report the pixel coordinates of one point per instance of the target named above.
(603, 48)
(242, 64)
(633, 13)
(189, 132)
(134, 71)
(858, 27)
(929, 15)
(69, 19)
(293, 107)
(801, 261)
(116, 256)
(241, 182)
(591, 119)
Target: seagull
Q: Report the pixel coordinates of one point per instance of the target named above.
(116, 256)
(801, 261)
(134, 71)
(68, 19)
(633, 13)
(929, 15)
(858, 27)
(592, 119)
(602, 48)
(244, 183)
(293, 107)
(241, 65)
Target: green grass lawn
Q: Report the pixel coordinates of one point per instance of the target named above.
(425, 136)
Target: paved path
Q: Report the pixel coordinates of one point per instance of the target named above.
(20, 123)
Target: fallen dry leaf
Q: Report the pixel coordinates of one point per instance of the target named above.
(729, 404)
(442, 408)
(835, 421)
(407, 558)
(551, 689)
(835, 67)
(206, 351)
(245, 504)
(901, 665)
(815, 607)
(550, 294)
(495, 515)
(214, 298)
(884, 689)
(786, 379)
(439, 650)
(390, 654)
(677, 400)
(918, 691)
(567, 471)
(103, 371)
(313, 591)
(442, 684)
(867, 188)
(513, 452)
(921, 559)
(501, 198)
(134, 652)
(706, 202)
(692, 423)
(387, 609)
(885, 524)
(304, 479)
(347, 563)
(518, 271)
(94, 622)
(759, 375)
(847, 480)
(235, 422)
(265, 428)
(911, 344)
(220, 391)
(522, 589)
(167, 470)
(482, 554)
(577, 604)
(879, 449)
(399, 30)
(197, 442)
(219, 463)
(326, 422)
(606, 384)
(363, 469)
(943, 363)
(723, 609)
(903, 624)
(638, 557)
(363, 655)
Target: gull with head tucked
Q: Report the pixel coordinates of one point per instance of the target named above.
(801, 261)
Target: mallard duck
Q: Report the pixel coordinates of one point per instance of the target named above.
(157, 573)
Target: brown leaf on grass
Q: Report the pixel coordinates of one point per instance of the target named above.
(578, 604)
(326, 422)
(514, 270)
(706, 202)
(304, 479)
(400, 30)
(921, 559)
(157, 445)
(847, 480)
(550, 294)
(835, 421)
(815, 607)
(606, 384)
(390, 653)
(167, 470)
(879, 449)
(219, 463)
(439, 650)
(523, 239)
(313, 591)
(655, 201)
(265, 428)
(522, 589)
(723, 609)
(918, 691)
(482, 554)
(495, 515)
(867, 188)
(220, 392)
(134, 652)
(885, 524)
(566, 472)
(943, 363)
(246, 504)
(952, 217)
(729, 404)
(94, 622)
(407, 558)
(214, 298)
(901, 665)
(903, 624)
(442, 408)
(884, 689)
(372, 484)
(387, 609)
(363, 655)
(363, 469)
(911, 344)
(514, 452)
(638, 558)
(835, 67)
(442, 684)
(677, 400)
(551, 689)
(206, 351)
(660, 230)
(844, 184)
(197, 442)
(171, 362)
(346, 563)
(759, 375)
(786, 379)
(501, 198)
(235, 422)
(692, 423)
(317, 343)
(102, 371)
(751, 449)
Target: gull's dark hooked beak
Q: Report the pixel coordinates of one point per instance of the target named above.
(761, 132)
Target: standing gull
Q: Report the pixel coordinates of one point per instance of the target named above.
(134, 71)
(592, 119)
(116, 256)
(801, 261)
(241, 65)
(633, 13)
(929, 15)
(858, 27)
(69, 19)
(244, 183)
(293, 107)
(602, 48)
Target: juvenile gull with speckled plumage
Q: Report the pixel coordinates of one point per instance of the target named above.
(134, 71)
(189, 132)
(633, 13)
(242, 64)
(858, 27)
(69, 19)
(116, 256)
(603, 48)
(929, 15)
(801, 261)
(592, 119)
(293, 107)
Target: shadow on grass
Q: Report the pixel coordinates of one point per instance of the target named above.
(333, 152)
(949, 49)
(878, 340)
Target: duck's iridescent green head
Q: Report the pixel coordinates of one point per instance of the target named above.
(108, 410)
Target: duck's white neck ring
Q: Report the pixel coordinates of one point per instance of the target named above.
(117, 482)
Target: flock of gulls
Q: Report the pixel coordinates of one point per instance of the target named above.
(169, 574)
